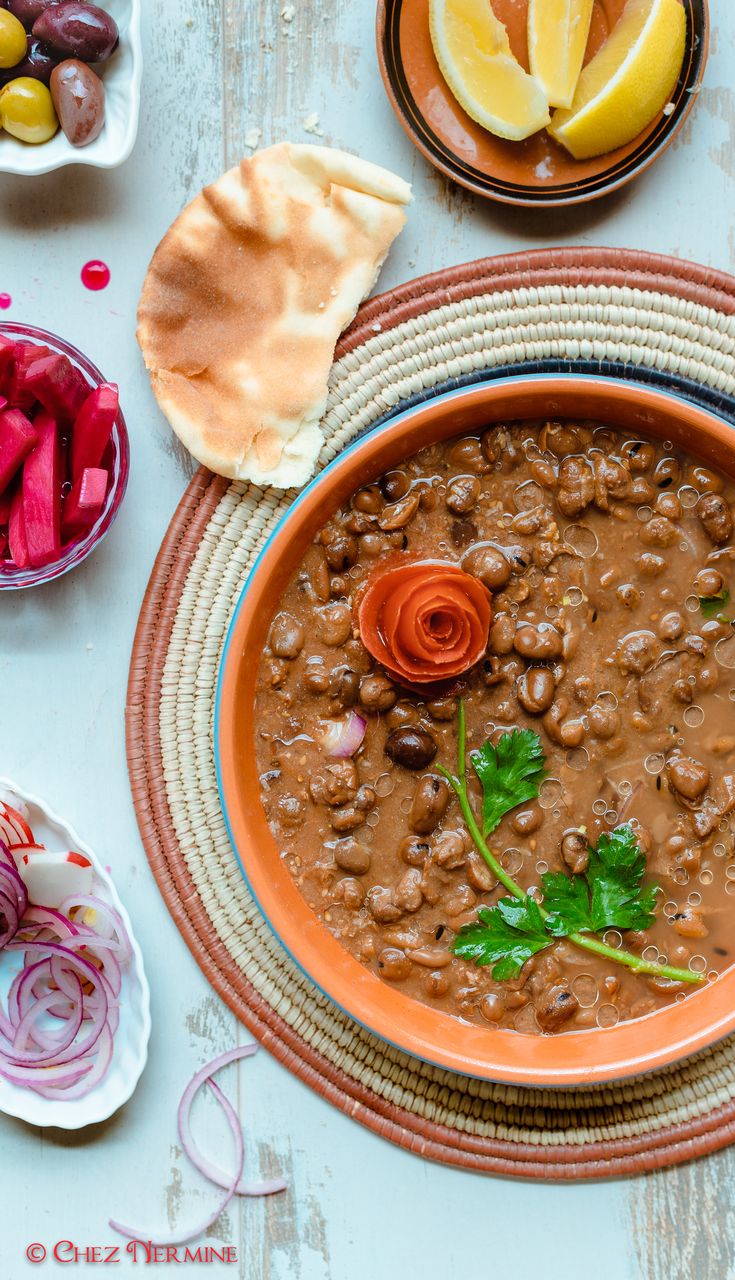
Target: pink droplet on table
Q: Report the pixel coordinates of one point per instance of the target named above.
(95, 275)
(5, 301)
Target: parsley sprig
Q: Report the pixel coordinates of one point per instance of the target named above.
(610, 894)
(712, 606)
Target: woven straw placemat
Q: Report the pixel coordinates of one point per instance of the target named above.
(641, 315)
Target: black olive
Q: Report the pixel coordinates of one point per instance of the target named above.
(411, 746)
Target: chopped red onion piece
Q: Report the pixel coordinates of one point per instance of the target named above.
(342, 738)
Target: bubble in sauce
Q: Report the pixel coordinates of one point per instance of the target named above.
(607, 700)
(577, 759)
(405, 805)
(373, 818)
(680, 876)
(599, 807)
(693, 717)
(611, 817)
(688, 496)
(670, 909)
(706, 877)
(730, 872)
(550, 793)
(698, 964)
(719, 850)
(650, 954)
(725, 651)
(582, 539)
(730, 887)
(694, 899)
(528, 495)
(625, 787)
(542, 867)
(667, 446)
(654, 763)
(384, 784)
(607, 1015)
(612, 938)
(644, 513)
(586, 990)
(692, 604)
(511, 860)
(573, 596)
(526, 1020)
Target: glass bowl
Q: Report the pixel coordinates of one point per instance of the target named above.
(12, 578)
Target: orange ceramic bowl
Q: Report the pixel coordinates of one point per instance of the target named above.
(574, 1058)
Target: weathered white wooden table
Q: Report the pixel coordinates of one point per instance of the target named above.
(215, 71)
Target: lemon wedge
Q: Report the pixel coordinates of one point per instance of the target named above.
(628, 82)
(557, 38)
(475, 58)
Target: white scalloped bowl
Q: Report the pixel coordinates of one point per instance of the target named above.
(121, 76)
(131, 1038)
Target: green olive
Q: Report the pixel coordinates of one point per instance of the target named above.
(13, 40)
(27, 111)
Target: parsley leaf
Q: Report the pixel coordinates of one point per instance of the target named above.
(608, 896)
(505, 936)
(712, 606)
(510, 774)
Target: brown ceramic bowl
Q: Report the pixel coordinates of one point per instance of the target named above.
(574, 1058)
(537, 171)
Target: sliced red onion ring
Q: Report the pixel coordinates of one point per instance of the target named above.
(200, 1162)
(232, 1185)
(113, 922)
(71, 974)
(342, 738)
(179, 1237)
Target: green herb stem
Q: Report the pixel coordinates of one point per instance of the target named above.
(625, 958)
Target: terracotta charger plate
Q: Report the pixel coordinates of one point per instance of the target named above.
(575, 1058)
(537, 171)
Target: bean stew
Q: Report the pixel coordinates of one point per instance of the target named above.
(601, 568)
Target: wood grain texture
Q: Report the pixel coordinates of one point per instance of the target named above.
(215, 70)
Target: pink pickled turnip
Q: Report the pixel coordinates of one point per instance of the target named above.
(84, 503)
(17, 438)
(58, 386)
(16, 532)
(41, 490)
(93, 428)
(7, 356)
(25, 354)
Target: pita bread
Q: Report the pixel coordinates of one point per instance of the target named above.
(246, 296)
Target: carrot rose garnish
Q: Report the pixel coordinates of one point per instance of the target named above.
(425, 621)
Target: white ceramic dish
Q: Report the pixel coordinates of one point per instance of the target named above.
(121, 76)
(131, 1038)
